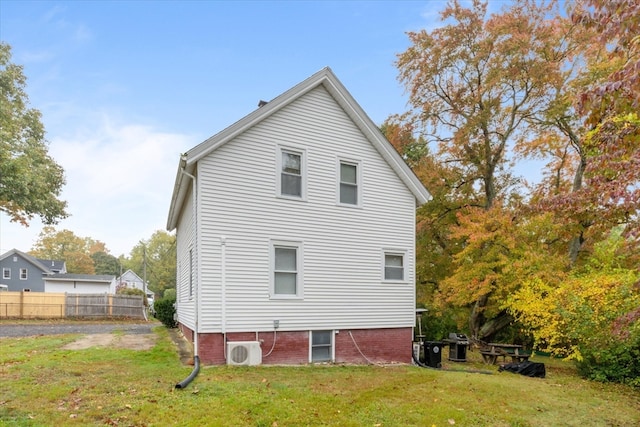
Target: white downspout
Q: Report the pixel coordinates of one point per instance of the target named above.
(197, 262)
(196, 357)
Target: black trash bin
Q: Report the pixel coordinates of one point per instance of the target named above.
(433, 354)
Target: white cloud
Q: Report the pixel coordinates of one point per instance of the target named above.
(119, 183)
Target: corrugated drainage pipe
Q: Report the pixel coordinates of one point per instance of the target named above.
(417, 361)
(196, 368)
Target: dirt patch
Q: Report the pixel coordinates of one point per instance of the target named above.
(185, 347)
(131, 342)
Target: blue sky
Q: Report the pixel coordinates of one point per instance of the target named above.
(126, 86)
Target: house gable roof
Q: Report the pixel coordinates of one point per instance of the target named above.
(326, 78)
(132, 274)
(53, 265)
(37, 263)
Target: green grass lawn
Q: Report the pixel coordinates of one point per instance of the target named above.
(43, 385)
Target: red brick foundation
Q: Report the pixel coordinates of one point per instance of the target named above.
(356, 346)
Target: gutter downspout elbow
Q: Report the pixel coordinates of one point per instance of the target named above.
(196, 368)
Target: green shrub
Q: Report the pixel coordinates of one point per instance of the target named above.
(165, 311)
(169, 293)
(616, 362)
(133, 291)
(437, 325)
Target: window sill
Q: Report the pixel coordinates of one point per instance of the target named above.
(285, 298)
(285, 197)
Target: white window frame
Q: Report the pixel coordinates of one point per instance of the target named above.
(191, 274)
(303, 172)
(24, 272)
(331, 345)
(358, 164)
(405, 271)
(6, 273)
(290, 244)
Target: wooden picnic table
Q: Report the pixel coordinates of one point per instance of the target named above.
(494, 350)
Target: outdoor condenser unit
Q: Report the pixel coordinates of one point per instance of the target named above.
(244, 353)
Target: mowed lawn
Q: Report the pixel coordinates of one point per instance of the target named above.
(43, 385)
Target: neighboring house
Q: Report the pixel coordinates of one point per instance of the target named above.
(23, 272)
(131, 280)
(80, 283)
(55, 267)
(295, 231)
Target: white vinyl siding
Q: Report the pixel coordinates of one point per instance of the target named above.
(79, 287)
(342, 283)
(185, 243)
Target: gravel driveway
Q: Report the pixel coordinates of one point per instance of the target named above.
(32, 329)
(136, 335)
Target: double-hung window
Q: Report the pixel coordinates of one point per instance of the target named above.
(291, 173)
(394, 266)
(23, 274)
(6, 273)
(286, 269)
(349, 188)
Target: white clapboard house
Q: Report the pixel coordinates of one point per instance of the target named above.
(296, 235)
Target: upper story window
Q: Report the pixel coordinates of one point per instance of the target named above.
(286, 269)
(349, 191)
(394, 266)
(291, 173)
(23, 274)
(6, 273)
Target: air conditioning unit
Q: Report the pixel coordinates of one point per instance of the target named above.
(244, 353)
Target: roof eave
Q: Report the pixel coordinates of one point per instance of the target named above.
(373, 133)
(328, 79)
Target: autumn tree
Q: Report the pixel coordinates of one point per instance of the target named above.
(593, 315)
(618, 24)
(473, 85)
(155, 258)
(30, 179)
(105, 263)
(579, 315)
(64, 245)
(592, 134)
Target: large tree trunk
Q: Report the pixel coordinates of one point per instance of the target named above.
(477, 318)
(575, 244)
(493, 326)
(482, 329)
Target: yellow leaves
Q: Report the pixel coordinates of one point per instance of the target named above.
(578, 310)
